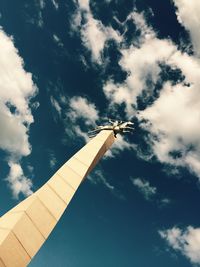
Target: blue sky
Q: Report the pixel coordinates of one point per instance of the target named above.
(64, 67)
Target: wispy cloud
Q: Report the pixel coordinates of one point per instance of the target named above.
(18, 182)
(185, 241)
(150, 192)
(93, 30)
(57, 40)
(98, 177)
(119, 145)
(79, 115)
(144, 187)
(52, 159)
(55, 4)
(56, 105)
(143, 66)
(37, 17)
(82, 108)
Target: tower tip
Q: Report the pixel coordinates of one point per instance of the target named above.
(117, 126)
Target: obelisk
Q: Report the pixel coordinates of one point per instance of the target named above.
(25, 228)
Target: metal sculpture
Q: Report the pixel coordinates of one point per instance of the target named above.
(117, 126)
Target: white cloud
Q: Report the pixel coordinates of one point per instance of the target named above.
(145, 188)
(17, 88)
(81, 115)
(57, 40)
(146, 32)
(37, 19)
(94, 34)
(17, 181)
(150, 192)
(188, 15)
(42, 4)
(82, 108)
(165, 201)
(174, 117)
(56, 105)
(187, 242)
(55, 4)
(16, 91)
(143, 64)
(119, 145)
(52, 159)
(84, 5)
(98, 177)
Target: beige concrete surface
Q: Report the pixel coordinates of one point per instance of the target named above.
(51, 201)
(70, 176)
(12, 252)
(62, 188)
(24, 228)
(2, 264)
(28, 235)
(41, 217)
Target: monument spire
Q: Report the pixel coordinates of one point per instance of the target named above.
(24, 228)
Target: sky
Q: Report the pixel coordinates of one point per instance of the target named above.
(66, 66)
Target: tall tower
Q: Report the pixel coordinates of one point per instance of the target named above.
(25, 228)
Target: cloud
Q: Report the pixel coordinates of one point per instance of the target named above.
(150, 192)
(57, 40)
(119, 145)
(188, 16)
(145, 188)
(143, 67)
(98, 177)
(142, 62)
(37, 18)
(55, 4)
(171, 113)
(17, 181)
(185, 241)
(56, 105)
(17, 89)
(52, 159)
(93, 30)
(42, 4)
(81, 116)
(165, 201)
(174, 117)
(84, 5)
(82, 108)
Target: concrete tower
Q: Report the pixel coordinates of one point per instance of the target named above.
(25, 228)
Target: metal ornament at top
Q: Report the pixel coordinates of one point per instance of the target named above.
(115, 125)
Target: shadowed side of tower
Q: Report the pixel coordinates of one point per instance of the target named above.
(25, 228)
